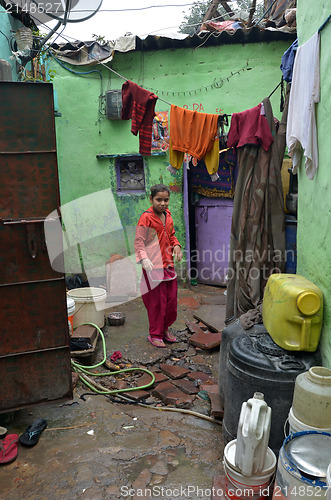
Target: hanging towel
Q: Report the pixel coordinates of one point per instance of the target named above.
(301, 133)
(288, 61)
(139, 105)
(250, 127)
(194, 133)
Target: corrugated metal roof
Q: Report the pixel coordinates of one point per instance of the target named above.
(207, 39)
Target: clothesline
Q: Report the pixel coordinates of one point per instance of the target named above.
(324, 24)
(169, 104)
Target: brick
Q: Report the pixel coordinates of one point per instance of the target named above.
(86, 332)
(185, 402)
(211, 389)
(206, 340)
(217, 410)
(194, 327)
(186, 386)
(171, 395)
(174, 371)
(136, 395)
(121, 384)
(202, 326)
(198, 360)
(203, 377)
(145, 379)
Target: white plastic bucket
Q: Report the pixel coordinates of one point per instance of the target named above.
(71, 306)
(90, 305)
(240, 487)
(290, 482)
(296, 425)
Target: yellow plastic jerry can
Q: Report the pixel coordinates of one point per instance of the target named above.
(293, 312)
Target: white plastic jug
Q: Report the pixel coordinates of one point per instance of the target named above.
(253, 435)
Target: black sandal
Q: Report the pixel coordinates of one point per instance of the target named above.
(31, 435)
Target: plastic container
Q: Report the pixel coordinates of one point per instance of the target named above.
(299, 467)
(257, 364)
(71, 306)
(90, 304)
(238, 486)
(293, 312)
(312, 397)
(296, 425)
(253, 435)
(232, 330)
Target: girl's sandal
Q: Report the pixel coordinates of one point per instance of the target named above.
(8, 449)
(156, 342)
(169, 337)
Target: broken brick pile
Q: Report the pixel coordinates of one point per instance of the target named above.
(178, 382)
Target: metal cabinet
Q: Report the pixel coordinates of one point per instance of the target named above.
(34, 338)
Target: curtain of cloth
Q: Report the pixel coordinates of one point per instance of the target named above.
(257, 242)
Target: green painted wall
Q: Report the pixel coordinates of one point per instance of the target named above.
(175, 76)
(314, 208)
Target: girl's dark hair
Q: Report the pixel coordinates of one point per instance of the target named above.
(158, 188)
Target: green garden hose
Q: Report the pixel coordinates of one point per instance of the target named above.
(81, 370)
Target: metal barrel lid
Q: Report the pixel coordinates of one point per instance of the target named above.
(310, 453)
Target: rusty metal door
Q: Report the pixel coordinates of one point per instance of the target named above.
(34, 338)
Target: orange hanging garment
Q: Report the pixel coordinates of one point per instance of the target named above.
(194, 133)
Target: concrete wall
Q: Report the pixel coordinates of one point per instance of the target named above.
(82, 132)
(8, 23)
(314, 209)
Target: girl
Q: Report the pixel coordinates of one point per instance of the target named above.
(156, 247)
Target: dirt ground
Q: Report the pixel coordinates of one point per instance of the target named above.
(94, 448)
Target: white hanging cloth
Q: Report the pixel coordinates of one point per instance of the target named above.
(301, 132)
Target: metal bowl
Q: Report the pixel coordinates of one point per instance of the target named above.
(116, 319)
(3, 432)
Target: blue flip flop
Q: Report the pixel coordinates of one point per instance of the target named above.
(31, 435)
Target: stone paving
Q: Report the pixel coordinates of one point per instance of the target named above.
(96, 448)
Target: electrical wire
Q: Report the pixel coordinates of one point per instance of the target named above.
(72, 70)
(176, 410)
(138, 8)
(5, 36)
